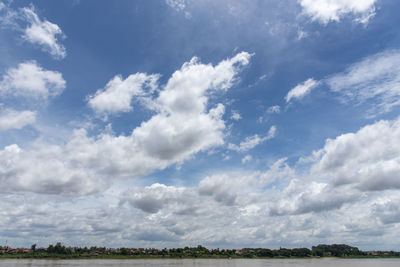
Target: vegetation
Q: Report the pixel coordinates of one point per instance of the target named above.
(60, 251)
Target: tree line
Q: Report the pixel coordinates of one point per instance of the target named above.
(335, 250)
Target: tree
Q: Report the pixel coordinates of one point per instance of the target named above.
(33, 248)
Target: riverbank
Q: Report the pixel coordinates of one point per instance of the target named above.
(140, 257)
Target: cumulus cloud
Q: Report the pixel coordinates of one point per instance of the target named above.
(153, 198)
(368, 159)
(301, 90)
(43, 33)
(325, 11)
(44, 169)
(182, 126)
(227, 189)
(32, 81)
(251, 142)
(348, 170)
(303, 197)
(375, 79)
(12, 119)
(118, 94)
(168, 215)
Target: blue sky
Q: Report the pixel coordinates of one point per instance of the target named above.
(180, 122)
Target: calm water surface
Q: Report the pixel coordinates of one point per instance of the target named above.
(206, 262)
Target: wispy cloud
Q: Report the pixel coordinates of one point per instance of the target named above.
(274, 110)
(39, 32)
(301, 90)
(12, 119)
(253, 141)
(375, 79)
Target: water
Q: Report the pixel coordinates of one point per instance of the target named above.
(206, 262)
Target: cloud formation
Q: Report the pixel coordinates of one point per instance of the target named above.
(325, 11)
(301, 90)
(368, 159)
(31, 81)
(375, 79)
(182, 126)
(34, 30)
(43, 33)
(281, 205)
(118, 94)
(12, 119)
(251, 142)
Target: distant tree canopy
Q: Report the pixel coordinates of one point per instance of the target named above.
(336, 250)
(58, 250)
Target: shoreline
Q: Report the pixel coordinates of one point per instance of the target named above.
(122, 257)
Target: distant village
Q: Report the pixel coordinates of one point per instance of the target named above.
(60, 251)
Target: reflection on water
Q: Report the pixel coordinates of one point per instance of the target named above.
(207, 262)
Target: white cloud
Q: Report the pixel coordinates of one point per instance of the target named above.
(368, 159)
(118, 93)
(301, 90)
(326, 11)
(375, 79)
(236, 115)
(45, 169)
(279, 170)
(153, 198)
(43, 33)
(252, 141)
(12, 119)
(246, 159)
(31, 80)
(274, 109)
(182, 126)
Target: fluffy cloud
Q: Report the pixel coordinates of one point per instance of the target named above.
(236, 115)
(301, 90)
(153, 198)
(228, 189)
(375, 79)
(44, 169)
(303, 197)
(43, 33)
(12, 119)
(207, 213)
(326, 11)
(31, 80)
(349, 169)
(251, 142)
(368, 159)
(182, 126)
(118, 93)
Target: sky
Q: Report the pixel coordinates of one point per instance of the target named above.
(172, 123)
